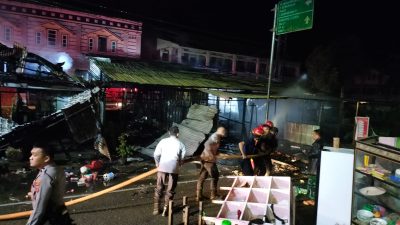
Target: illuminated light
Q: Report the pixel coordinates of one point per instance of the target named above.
(118, 104)
(123, 89)
(64, 57)
(135, 89)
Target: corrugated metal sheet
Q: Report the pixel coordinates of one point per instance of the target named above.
(192, 131)
(191, 138)
(201, 112)
(299, 133)
(202, 126)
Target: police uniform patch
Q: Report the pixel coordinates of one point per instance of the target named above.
(36, 185)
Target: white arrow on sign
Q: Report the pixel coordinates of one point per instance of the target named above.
(308, 2)
(307, 19)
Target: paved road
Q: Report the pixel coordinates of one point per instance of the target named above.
(133, 205)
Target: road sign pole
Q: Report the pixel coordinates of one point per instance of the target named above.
(271, 61)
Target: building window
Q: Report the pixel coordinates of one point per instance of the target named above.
(113, 46)
(38, 38)
(102, 44)
(90, 44)
(51, 37)
(7, 33)
(65, 40)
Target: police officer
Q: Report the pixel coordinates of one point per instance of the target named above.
(47, 189)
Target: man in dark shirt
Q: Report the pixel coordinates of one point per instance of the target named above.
(268, 144)
(253, 146)
(314, 153)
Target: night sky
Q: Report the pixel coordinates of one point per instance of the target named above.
(372, 23)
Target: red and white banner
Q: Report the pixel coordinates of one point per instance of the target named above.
(362, 126)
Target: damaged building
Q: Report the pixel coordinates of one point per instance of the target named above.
(40, 101)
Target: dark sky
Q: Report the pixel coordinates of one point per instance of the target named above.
(373, 23)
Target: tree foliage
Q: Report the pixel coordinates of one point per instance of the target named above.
(330, 66)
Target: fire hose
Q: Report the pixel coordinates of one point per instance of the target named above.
(118, 186)
(85, 198)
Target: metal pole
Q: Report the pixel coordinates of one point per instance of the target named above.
(355, 123)
(271, 60)
(244, 132)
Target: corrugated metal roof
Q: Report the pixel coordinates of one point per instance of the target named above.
(173, 75)
(228, 94)
(223, 85)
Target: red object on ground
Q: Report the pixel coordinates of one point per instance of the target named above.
(95, 165)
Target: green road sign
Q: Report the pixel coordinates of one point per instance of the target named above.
(294, 15)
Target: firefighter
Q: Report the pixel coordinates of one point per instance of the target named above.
(251, 166)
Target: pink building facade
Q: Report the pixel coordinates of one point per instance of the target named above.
(64, 35)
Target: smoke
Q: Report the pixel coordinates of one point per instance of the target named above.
(60, 57)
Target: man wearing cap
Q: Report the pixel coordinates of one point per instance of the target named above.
(251, 147)
(209, 164)
(269, 143)
(47, 189)
(168, 156)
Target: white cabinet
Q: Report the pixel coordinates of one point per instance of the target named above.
(335, 186)
(253, 197)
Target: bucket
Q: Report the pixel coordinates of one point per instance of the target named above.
(108, 176)
(336, 142)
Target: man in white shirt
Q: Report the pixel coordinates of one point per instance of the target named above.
(168, 156)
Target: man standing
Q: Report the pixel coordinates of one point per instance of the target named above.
(252, 146)
(47, 189)
(168, 156)
(314, 153)
(269, 142)
(209, 164)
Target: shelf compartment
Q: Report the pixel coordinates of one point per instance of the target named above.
(380, 179)
(238, 194)
(385, 200)
(280, 197)
(244, 182)
(280, 183)
(259, 196)
(254, 211)
(230, 210)
(262, 182)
